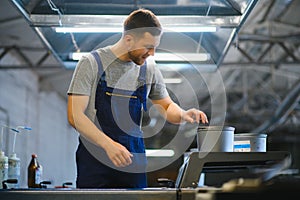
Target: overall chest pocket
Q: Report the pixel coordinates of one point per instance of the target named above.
(125, 110)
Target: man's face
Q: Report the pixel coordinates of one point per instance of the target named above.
(143, 47)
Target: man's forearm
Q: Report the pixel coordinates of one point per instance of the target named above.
(174, 113)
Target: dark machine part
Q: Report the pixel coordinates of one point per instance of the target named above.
(4, 183)
(44, 184)
(262, 165)
(165, 182)
(67, 184)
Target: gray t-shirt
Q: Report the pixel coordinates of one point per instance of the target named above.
(119, 74)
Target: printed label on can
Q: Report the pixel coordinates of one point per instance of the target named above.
(242, 146)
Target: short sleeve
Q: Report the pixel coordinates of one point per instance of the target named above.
(83, 78)
(158, 88)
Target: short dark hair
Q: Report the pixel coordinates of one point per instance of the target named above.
(141, 21)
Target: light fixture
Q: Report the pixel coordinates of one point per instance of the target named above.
(163, 57)
(171, 67)
(181, 57)
(188, 29)
(191, 29)
(159, 152)
(88, 29)
(172, 80)
(77, 55)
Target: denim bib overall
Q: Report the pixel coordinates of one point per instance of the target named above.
(119, 115)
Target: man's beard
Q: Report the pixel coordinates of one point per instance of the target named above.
(135, 59)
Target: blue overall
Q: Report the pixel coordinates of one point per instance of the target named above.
(119, 116)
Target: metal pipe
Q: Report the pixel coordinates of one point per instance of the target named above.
(282, 112)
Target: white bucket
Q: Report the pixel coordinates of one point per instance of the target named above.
(215, 138)
(250, 142)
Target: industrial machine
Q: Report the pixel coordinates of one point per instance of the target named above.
(203, 175)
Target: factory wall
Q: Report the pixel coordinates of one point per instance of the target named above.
(51, 137)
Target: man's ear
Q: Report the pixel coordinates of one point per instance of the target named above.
(129, 41)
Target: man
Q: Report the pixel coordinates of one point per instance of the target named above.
(106, 96)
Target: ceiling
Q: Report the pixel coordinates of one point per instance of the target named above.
(255, 49)
(226, 15)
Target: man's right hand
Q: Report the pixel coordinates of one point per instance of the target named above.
(118, 154)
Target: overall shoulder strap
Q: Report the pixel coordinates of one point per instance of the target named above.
(142, 80)
(142, 75)
(99, 63)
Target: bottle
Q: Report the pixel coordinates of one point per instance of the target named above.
(35, 171)
(14, 170)
(3, 168)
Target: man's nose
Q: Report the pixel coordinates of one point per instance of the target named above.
(151, 52)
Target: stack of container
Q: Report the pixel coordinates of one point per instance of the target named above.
(10, 166)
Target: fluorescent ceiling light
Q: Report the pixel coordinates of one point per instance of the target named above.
(172, 80)
(189, 29)
(205, 67)
(77, 55)
(163, 57)
(159, 152)
(88, 30)
(181, 57)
